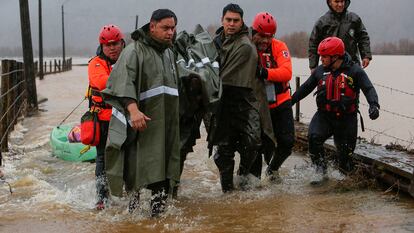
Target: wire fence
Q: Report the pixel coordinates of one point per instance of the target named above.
(13, 99)
(379, 132)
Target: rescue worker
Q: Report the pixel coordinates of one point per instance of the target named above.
(275, 69)
(237, 124)
(338, 81)
(111, 42)
(144, 143)
(346, 25)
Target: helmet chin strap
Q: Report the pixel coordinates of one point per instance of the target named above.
(331, 64)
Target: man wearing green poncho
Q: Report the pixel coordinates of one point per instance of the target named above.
(143, 149)
(242, 114)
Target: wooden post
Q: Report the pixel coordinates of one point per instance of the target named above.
(12, 97)
(60, 69)
(5, 66)
(50, 69)
(63, 34)
(54, 61)
(28, 54)
(35, 68)
(297, 113)
(40, 42)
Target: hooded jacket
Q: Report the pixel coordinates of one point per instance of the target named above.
(346, 25)
(146, 73)
(238, 62)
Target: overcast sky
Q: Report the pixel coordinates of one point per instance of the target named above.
(386, 20)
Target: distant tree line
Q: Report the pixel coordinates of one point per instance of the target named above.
(402, 47)
(51, 52)
(297, 43)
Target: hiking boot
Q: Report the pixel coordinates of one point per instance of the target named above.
(320, 176)
(158, 203)
(100, 205)
(133, 203)
(227, 183)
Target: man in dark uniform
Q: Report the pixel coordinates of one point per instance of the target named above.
(338, 81)
(346, 25)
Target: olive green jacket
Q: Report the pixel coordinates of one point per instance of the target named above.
(145, 72)
(238, 63)
(200, 85)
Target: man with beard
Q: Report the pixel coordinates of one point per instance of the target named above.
(275, 69)
(339, 81)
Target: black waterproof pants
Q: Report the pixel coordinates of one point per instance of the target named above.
(101, 180)
(239, 130)
(284, 130)
(344, 130)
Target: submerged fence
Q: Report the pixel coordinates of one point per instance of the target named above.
(13, 95)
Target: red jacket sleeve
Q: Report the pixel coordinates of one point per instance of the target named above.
(98, 73)
(283, 72)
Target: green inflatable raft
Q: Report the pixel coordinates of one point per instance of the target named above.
(69, 151)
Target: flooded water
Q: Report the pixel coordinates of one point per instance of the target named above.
(396, 121)
(51, 195)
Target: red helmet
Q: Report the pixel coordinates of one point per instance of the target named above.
(110, 33)
(331, 46)
(264, 23)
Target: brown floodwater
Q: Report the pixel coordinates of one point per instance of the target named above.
(51, 195)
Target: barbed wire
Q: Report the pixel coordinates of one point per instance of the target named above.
(375, 84)
(6, 133)
(11, 89)
(387, 135)
(392, 113)
(12, 105)
(393, 89)
(369, 129)
(11, 72)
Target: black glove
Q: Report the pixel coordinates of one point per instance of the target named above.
(373, 111)
(261, 73)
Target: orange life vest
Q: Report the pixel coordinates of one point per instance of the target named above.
(279, 67)
(98, 73)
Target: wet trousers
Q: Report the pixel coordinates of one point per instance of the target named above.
(101, 180)
(344, 130)
(238, 129)
(284, 130)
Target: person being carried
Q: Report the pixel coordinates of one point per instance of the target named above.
(111, 43)
(338, 81)
(144, 142)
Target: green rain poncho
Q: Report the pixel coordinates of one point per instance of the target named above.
(145, 72)
(200, 86)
